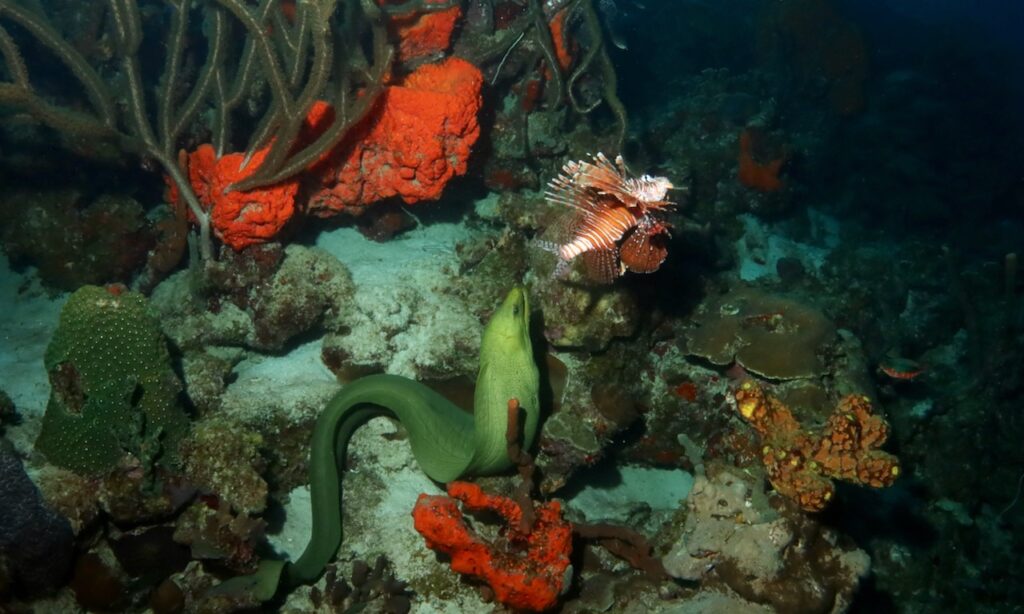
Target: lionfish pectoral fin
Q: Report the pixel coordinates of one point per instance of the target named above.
(602, 265)
(644, 249)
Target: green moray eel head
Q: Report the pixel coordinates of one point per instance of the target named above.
(509, 327)
(507, 371)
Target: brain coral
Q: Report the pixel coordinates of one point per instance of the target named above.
(113, 390)
(770, 335)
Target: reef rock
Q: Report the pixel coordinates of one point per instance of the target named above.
(733, 540)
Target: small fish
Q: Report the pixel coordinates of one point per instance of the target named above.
(899, 368)
(613, 220)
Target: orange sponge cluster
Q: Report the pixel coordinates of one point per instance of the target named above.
(800, 464)
(417, 138)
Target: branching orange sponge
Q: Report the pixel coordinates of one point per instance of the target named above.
(800, 464)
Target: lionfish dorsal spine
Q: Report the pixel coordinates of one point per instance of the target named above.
(620, 166)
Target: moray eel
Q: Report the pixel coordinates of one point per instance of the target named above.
(448, 443)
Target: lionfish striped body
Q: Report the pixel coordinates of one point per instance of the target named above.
(613, 220)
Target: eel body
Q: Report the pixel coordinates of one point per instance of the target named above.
(448, 443)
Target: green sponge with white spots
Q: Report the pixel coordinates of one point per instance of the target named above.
(114, 398)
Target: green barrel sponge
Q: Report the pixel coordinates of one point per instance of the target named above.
(114, 395)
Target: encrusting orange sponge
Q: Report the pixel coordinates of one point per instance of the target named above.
(239, 219)
(417, 139)
(755, 173)
(423, 34)
(527, 571)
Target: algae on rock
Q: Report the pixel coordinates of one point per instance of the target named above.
(113, 390)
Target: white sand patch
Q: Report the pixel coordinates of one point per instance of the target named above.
(298, 525)
(662, 490)
(296, 383)
(761, 246)
(402, 318)
(426, 252)
(30, 316)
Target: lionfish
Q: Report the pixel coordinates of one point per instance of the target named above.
(613, 222)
